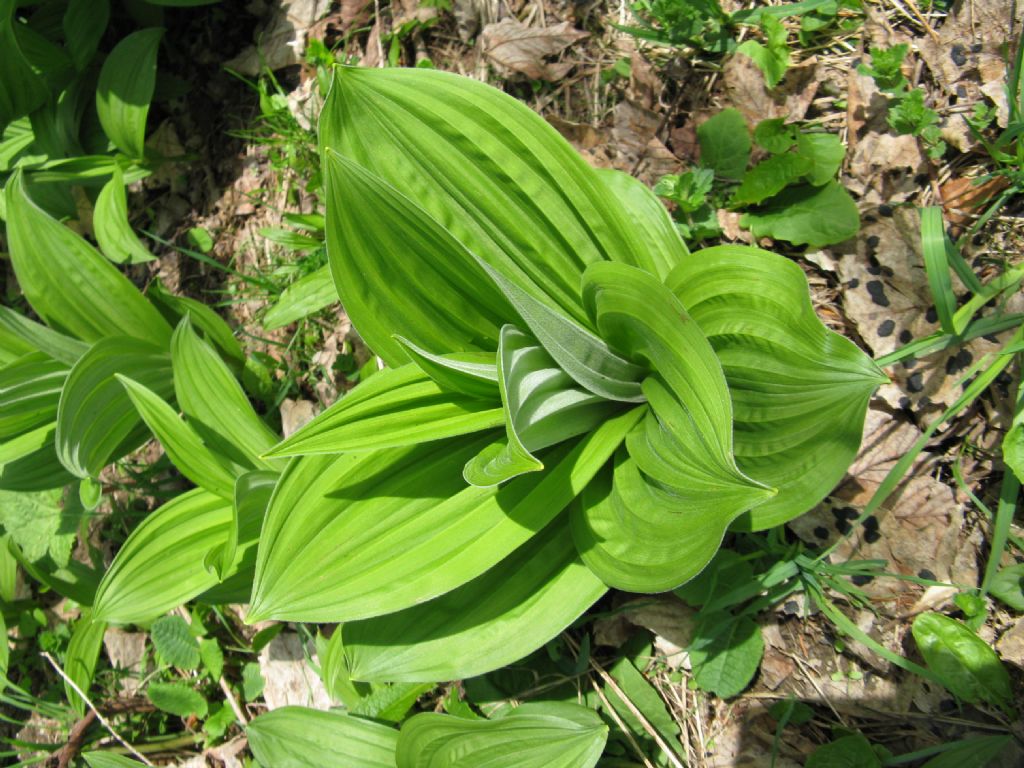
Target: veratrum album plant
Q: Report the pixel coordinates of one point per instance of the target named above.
(571, 402)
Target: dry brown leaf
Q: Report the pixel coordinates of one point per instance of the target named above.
(745, 88)
(634, 139)
(963, 199)
(1011, 644)
(515, 46)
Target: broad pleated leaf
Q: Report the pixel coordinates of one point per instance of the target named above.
(799, 391)
(297, 737)
(29, 462)
(20, 336)
(542, 735)
(493, 620)
(638, 315)
(160, 565)
(395, 407)
(29, 392)
(363, 534)
(110, 224)
(252, 494)
(109, 760)
(398, 271)
(125, 89)
(302, 298)
(543, 406)
(650, 217)
(581, 354)
(640, 536)
(496, 175)
(470, 373)
(68, 282)
(21, 89)
(96, 422)
(214, 403)
(183, 446)
(82, 654)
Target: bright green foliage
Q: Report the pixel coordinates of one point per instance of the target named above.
(605, 401)
(772, 58)
(81, 657)
(549, 735)
(790, 195)
(886, 67)
(296, 737)
(110, 224)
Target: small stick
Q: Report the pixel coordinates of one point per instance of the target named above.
(618, 721)
(106, 723)
(76, 738)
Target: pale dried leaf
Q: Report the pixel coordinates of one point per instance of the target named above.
(290, 681)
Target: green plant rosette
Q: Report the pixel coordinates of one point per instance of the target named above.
(571, 401)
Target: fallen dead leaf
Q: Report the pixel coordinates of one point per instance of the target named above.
(635, 143)
(963, 199)
(515, 46)
(295, 414)
(1011, 644)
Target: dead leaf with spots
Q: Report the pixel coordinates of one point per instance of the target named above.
(887, 297)
(511, 45)
(918, 531)
(963, 199)
(886, 168)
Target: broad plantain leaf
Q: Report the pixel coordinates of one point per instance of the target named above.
(20, 336)
(160, 565)
(125, 88)
(965, 663)
(501, 180)
(68, 283)
(498, 617)
(806, 215)
(799, 391)
(297, 737)
(110, 224)
(29, 392)
(177, 699)
(725, 144)
(541, 735)
(726, 653)
(96, 422)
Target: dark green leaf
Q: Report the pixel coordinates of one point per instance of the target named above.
(848, 752)
(825, 152)
(173, 640)
(977, 752)
(1008, 586)
(725, 653)
(725, 144)
(769, 177)
(125, 89)
(302, 298)
(84, 23)
(21, 89)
